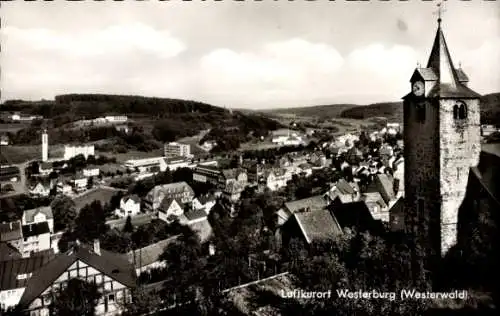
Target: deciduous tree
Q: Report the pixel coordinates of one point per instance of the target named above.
(64, 211)
(78, 298)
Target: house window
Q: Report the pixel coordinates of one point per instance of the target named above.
(111, 297)
(460, 111)
(107, 286)
(46, 300)
(82, 272)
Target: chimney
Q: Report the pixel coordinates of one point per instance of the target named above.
(97, 247)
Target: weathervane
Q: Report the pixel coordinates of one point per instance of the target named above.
(440, 11)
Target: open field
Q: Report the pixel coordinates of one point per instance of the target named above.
(12, 127)
(103, 195)
(258, 145)
(132, 154)
(18, 154)
(344, 125)
(194, 141)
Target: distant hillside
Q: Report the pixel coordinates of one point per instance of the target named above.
(390, 110)
(490, 110)
(93, 105)
(168, 119)
(324, 111)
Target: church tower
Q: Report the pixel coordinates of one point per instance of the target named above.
(442, 143)
(45, 146)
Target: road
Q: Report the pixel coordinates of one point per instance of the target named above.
(20, 187)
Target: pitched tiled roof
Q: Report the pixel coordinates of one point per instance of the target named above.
(305, 165)
(449, 91)
(318, 225)
(398, 206)
(462, 77)
(35, 229)
(195, 214)
(374, 197)
(110, 264)
(149, 254)
(386, 187)
(206, 198)
(314, 203)
(278, 172)
(44, 183)
(45, 166)
(29, 215)
(167, 202)
(10, 269)
(427, 74)
(344, 187)
(10, 231)
(169, 189)
(133, 197)
(8, 252)
(355, 214)
(232, 173)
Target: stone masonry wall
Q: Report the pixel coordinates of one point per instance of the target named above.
(459, 148)
(422, 171)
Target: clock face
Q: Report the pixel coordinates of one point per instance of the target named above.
(418, 88)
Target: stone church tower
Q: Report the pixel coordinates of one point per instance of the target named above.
(442, 142)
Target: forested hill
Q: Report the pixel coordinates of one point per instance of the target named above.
(489, 103)
(93, 105)
(169, 119)
(490, 110)
(325, 111)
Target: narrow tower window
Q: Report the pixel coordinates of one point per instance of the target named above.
(455, 111)
(420, 207)
(421, 113)
(460, 111)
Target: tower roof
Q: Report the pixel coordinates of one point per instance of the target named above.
(440, 61)
(450, 81)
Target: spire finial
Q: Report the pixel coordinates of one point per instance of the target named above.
(439, 12)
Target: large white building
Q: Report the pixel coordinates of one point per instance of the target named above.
(36, 238)
(153, 164)
(177, 149)
(73, 151)
(116, 119)
(286, 137)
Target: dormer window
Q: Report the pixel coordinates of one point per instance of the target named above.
(460, 111)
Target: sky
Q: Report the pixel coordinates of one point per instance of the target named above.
(255, 55)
